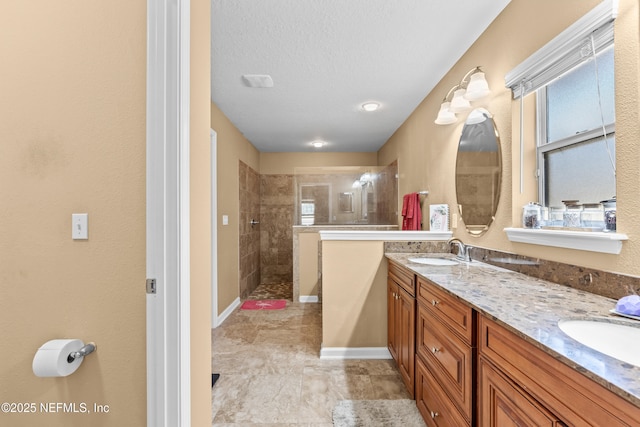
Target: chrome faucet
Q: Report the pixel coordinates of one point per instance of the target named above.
(463, 250)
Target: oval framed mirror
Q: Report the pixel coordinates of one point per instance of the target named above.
(478, 172)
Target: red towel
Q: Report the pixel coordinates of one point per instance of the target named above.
(411, 213)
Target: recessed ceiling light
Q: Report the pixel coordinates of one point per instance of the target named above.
(370, 106)
(318, 144)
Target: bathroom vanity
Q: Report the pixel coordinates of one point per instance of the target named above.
(489, 351)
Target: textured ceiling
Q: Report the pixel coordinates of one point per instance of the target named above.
(327, 57)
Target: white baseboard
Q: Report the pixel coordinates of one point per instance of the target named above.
(223, 316)
(308, 298)
(355, 353)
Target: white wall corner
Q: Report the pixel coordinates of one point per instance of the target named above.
(227, 312)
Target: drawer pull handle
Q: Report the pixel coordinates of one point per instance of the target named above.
(434, 350)
(435, 302)
(434, 414)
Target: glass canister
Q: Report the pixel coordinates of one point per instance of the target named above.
(609, 215)
(544, 219)
(592, 216)
(571, 215)
(556, 215)
(531, 215)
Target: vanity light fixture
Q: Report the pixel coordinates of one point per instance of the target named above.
(370, 106)
(317, 143)
(478, 115)
(459, 104)
(472, 87)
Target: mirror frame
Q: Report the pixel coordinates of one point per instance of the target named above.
(495, 175)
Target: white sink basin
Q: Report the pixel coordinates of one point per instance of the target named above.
(433, 261)
(613, 339)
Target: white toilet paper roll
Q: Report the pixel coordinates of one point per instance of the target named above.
(51, 360)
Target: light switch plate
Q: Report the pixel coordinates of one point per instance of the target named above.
(80, 226)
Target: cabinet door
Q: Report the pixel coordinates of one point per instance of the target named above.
(406, 341)
(564, 391)
(504, 404)
(392, 323)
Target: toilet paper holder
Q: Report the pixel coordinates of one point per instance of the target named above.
(84, 351)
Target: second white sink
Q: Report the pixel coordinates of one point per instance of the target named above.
(433, 261)
(613, 339)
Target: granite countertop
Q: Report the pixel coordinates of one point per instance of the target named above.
(531, 308)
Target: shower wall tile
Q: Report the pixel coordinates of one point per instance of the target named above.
(249, 240)
(276, 222)
(387, 203)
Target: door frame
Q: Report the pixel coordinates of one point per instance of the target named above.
(167, 216)
(214, 229)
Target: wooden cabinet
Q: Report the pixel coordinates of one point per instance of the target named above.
(401, 309)
(464, 369)
(519, 384)
(445, 347)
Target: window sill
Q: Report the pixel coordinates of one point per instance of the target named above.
(609, 243)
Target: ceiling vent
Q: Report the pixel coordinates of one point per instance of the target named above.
(257, 80)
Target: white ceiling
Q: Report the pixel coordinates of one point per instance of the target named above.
(327, 57)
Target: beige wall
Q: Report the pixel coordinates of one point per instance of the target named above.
(354, 294)
(72, 139)
(285, 163)
(308, 263)
(233, 147)
(200, 145)
(426, 152)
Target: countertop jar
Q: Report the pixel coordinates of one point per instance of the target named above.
(556, 215)
(592, 216)
(609, 215)
(531, 215)
(571, 215)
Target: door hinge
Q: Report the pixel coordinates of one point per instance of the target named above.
(151, 286)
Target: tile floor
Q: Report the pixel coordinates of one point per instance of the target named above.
(271, 373)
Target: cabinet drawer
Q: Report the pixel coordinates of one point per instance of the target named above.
(453, 313)
(504, 403)
(403, 277)
(432, 402)
(448, 358)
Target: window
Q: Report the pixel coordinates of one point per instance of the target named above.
(576, 133)
(575, 124)
(307, 212)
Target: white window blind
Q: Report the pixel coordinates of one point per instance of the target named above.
(565, 51)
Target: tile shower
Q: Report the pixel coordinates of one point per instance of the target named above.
(249, 194)
(266, 249)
